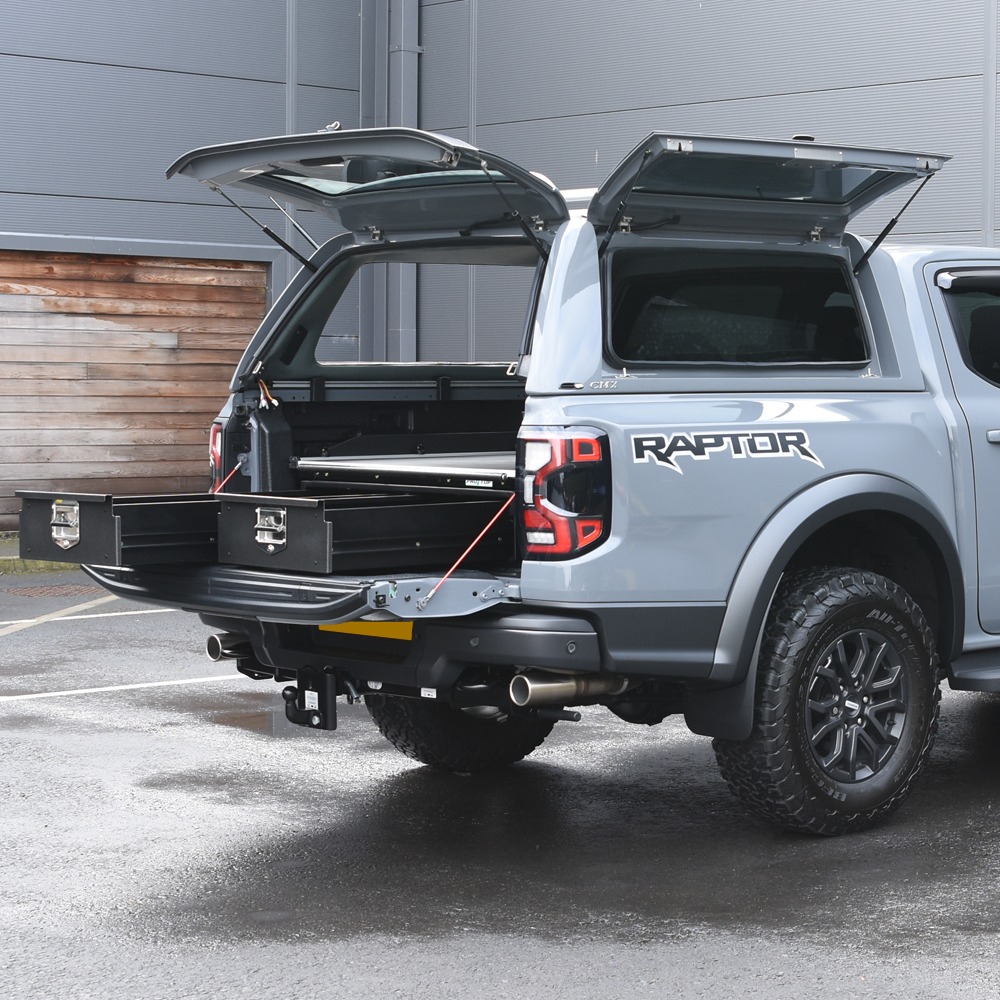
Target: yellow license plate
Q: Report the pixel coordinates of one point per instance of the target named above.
(381, 630)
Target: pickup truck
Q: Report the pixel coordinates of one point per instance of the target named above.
(678, 446)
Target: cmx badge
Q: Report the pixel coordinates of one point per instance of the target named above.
(270, 528)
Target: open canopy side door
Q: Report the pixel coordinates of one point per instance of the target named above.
(385, 181)
(753, 186)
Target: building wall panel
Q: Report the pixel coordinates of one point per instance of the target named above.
(567, 88)
(445, 66)
(187, 36)
(329, 43)
(580, 57)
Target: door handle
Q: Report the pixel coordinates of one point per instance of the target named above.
(993, 437)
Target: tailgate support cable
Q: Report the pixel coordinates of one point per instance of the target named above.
(236, 468)
(424, 601)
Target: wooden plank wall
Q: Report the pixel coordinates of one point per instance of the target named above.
(112, 369)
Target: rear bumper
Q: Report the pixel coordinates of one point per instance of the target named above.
(238, 593)
(303, 599)
(475, 619)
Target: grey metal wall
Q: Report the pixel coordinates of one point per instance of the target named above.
(566, 87)
(100, 97)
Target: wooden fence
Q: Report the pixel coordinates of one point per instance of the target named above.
(112, 369)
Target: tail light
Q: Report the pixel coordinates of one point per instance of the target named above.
(215, 454)
(565, 491)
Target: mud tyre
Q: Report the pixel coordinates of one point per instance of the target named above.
(846, 705)
(453, 740)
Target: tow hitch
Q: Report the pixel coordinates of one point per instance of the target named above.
(313, 702)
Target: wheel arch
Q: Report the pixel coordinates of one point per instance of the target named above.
(814, 528)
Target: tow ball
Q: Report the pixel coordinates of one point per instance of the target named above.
(313, 701)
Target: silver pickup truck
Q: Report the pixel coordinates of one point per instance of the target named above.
(681, 445)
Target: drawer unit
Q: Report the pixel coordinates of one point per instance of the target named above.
(108, 530)
(363, 532)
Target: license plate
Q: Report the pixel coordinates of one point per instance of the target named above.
(380, 630)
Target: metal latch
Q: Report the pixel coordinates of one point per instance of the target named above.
(270, 528)
(65, 523)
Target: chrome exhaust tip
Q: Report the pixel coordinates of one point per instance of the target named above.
(227, 646)
(540, 689)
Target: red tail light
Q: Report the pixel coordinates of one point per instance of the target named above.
(565, 498)
(215, 454)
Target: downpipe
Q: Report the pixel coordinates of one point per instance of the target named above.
(527, 690)
(228, 646)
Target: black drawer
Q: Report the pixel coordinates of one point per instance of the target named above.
(119, 531)
(362, 533)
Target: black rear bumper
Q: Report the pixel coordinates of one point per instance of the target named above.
(237, 592)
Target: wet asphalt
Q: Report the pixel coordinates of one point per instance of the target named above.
(184, 840)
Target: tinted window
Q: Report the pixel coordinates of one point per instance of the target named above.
(703, 307)
(976, 316)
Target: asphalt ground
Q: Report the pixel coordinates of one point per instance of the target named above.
(167, 834)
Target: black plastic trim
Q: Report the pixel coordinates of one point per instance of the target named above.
(238, 593)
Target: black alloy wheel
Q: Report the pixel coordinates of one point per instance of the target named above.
(846, 704)
(856, 705)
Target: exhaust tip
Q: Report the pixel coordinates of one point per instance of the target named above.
(227, 646)
(520, 690)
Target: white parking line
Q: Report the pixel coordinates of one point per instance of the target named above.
(11, 629)
(119, 687)
(105, 614)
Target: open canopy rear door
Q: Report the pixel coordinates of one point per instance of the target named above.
(753, 186)
(391, 181)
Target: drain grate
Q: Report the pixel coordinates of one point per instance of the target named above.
(58, 590)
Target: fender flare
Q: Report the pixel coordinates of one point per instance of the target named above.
(727, 711)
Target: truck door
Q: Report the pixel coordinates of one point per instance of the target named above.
(971, 336)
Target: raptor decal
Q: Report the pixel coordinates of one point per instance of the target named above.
(666, 449)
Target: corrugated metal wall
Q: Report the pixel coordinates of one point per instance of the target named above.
(99, 98)
(568, 86)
